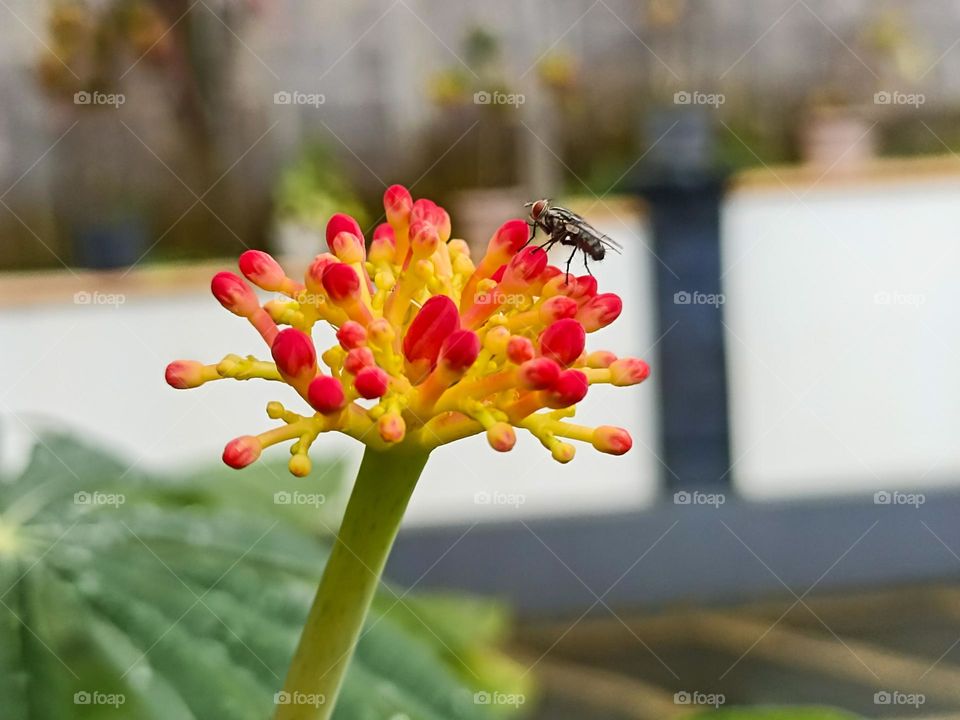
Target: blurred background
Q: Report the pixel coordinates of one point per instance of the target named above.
(785, 182)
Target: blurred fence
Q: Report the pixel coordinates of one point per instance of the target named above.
(397, 80)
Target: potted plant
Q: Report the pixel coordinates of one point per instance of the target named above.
(308, 192)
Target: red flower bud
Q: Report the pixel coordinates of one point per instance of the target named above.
(424, 240)
(435, 321)
(442, 223)
(555, 285)
(427, 212)
(579, 288)
(586, 286)
(558, 308)
(600, 311)
(325, 394)
(612, 440)
(563, 452)
(385, 232)
(384, 244)
(294, 354)
(317, 269)
(341, 281)
(357, 359)
(520, 349)
(392, 428)
(348, 247)
(184, 374)
(509, 238)
(526, 266)
(398, 203)
(351, 335)
(299, 465)
(234, 294)
(628, 371)
(340, 223)
(501, 437)
(242, 451)
(371, 382)
(381, 332)
(600, 359)
(563, 341)
(424, 210)
(550, 272)
(569, 389)
(460, 350)
(262, 270)
(539, 373)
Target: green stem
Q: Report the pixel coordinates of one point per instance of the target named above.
(385, 482)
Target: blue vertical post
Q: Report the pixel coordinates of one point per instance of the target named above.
(684, 190)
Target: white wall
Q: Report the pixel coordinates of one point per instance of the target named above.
(843, 307)
(100, 369)
(843, 343)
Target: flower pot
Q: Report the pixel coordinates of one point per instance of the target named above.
(838, 139)
(297, 242)
(111, 244)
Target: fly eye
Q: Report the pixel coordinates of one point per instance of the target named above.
(538, 208)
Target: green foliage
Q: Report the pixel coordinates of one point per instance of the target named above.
(312, 189)
(776, 713)
(185, 597)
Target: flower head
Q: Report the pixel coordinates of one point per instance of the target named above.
(431, 347)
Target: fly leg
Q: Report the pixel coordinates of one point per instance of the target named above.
(533, 234)
(586, 265)
(570, 260)
(548, 244)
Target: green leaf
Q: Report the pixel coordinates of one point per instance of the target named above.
(185, 597)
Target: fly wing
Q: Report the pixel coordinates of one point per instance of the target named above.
(567, 215)
(588, 232)
(576, 226)
(612, 244)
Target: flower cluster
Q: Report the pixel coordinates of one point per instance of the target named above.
(431, 347)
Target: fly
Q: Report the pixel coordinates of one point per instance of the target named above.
(567, 228)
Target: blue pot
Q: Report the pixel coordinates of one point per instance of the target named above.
(112, 244)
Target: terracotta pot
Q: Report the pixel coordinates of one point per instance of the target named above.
(838, 138)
